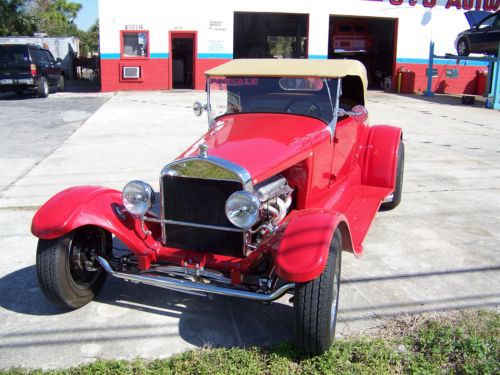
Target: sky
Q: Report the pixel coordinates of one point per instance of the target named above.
(87, 15)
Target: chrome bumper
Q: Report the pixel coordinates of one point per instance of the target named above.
(191, 287)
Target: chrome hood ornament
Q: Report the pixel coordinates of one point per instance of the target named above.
(203, 150)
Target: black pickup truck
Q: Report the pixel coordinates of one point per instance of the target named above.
(29, 67)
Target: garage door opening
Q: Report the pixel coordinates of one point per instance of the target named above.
(369, 40)
(270, 35)
(182, 60)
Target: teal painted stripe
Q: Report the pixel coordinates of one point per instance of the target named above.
(318, 57)
(215, 55)
(115, 56)
(404, 60)
(110, 56)
(159, 55)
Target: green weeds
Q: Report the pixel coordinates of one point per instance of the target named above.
(460, 343)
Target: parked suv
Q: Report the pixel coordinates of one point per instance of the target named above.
(28, 66)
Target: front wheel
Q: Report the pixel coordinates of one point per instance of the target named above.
(463, 47)
(316, 304)
(67, 271)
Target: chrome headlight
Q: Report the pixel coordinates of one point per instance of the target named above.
(243, 209)
(138, 197)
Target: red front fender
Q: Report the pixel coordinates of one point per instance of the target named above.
(305, 243)
(91, 205)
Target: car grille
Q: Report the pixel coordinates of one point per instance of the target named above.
(200, 201)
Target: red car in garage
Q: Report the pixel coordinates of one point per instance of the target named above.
(288, 176)
(351, 36)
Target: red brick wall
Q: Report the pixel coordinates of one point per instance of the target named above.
(465, 83)
(154, 74)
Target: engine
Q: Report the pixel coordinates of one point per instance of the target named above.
(275, 196)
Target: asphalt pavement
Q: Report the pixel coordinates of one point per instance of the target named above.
(32, 128)
(438, 251)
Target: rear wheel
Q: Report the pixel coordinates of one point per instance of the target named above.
(43, 88)
(398, 189)
(463, 47)
(316, 304)
(61, 84)
(67, 272)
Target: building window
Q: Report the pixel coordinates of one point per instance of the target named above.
(135, 44)
(451, 73)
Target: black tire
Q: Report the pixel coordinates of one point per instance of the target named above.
(42, 88)
(463, 48)
(398, 189)
(61, 85)
(61, 270)
(316, 304)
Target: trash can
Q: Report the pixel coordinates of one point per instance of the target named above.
(481, 82)
(405, 81)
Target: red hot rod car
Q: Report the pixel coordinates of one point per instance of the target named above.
(288, 176)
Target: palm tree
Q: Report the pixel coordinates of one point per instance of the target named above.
(14, 18)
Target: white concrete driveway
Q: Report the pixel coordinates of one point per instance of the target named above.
(437, 251)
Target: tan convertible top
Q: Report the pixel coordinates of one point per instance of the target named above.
(290, 68)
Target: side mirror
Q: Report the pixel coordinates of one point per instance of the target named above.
(198, 108)
(360, 113)
(59, 60)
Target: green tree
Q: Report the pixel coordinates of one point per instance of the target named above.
(89, 40)
(94, 36)
(55, 17)
(15, 20)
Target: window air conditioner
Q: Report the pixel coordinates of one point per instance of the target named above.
(131, 72)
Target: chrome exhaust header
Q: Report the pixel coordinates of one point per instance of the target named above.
(191, 287)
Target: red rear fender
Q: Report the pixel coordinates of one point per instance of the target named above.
(381, 156)
(305, 243)
(91, 205)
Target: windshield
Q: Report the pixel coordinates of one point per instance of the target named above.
(487, 22)
(13, 53)
(309, 96)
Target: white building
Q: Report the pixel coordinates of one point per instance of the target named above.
(158, 44)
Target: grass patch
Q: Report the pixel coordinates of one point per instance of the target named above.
(457, 343)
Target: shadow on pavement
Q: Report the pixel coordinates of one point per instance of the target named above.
(16, 97)
(83, 85)
(448, 99)
(74, 86)
(216, 321)
(19, 292)
(402, 276)
(224, 322)
(202, 321)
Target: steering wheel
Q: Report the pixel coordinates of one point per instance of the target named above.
(303, 107)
